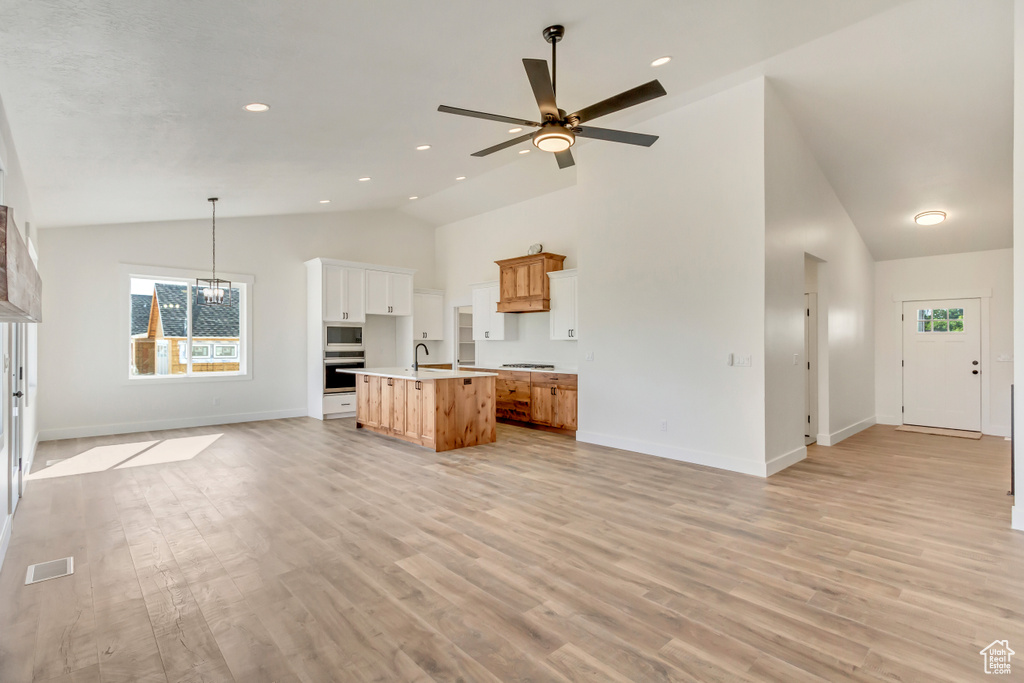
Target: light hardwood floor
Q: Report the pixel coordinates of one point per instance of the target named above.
(300, 550)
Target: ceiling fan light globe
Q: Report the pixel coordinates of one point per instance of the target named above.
(553, 139)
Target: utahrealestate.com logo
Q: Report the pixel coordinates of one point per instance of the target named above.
(997, 657)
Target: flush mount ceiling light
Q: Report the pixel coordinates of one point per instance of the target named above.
(422, 148)
(661, 60)
(930, 217)
(364, 179)
(559, 130)
(553, 137)
(257, 107)
(212, 291)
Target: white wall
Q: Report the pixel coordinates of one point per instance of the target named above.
(467, 250)
(1018, 235)
(804, 216)
(671, 281)
(985, 274)
(82, 389)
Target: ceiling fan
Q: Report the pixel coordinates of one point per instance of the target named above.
(557, 131)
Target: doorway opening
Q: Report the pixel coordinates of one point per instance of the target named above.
(810, 349)
(465, 347)
(942, 364)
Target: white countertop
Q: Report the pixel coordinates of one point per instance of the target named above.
(558, 369)
(409, 373)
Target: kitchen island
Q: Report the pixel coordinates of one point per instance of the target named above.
(438, 409)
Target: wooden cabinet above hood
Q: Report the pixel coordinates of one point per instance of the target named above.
(21, 288)
(524, 282)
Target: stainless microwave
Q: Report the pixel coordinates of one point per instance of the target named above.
(342, 337)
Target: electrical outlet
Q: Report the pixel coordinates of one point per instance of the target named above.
(216, 401)
(796, 359)
(590, 355)
(664, 425)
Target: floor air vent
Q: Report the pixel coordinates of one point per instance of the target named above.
(54, 569)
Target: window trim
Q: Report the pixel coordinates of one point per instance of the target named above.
(245, 355)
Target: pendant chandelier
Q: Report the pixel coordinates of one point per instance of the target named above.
(213, 291)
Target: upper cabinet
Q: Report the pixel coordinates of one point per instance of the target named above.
(428, 315)
(524, 282)
(488, 323)
(388, 292)
(344, 294)
(564, 305)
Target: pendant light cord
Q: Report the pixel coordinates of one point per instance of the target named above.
(214, 202)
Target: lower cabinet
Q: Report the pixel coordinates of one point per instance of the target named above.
(439, 414)
(541, 398)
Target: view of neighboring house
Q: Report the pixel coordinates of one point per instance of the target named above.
(159, 333)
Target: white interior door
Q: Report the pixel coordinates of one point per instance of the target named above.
(811, 357)
(15, 384)
(942, 364)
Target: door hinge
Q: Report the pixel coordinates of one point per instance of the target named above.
(903, 363)
(808, 313)
(903, 409)
(901, 317)
(808, 419)
(808, 365)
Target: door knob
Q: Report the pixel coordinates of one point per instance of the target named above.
(18, 394)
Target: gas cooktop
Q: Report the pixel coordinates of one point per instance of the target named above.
(530, 366)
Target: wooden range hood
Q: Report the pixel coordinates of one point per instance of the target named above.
(524, 283)
(21, 288)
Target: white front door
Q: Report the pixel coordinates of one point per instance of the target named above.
(942, 364)
(163, 357)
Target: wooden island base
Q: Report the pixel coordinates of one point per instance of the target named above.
(441, 414)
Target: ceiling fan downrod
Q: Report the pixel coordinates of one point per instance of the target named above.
(553, 34)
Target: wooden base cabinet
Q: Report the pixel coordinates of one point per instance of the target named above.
(441, 414)
(546, 399)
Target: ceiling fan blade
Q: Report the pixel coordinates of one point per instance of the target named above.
(564, 159)
(610, 135)
(540, 81)
(483, 115)
(503, 145)
(641, 93)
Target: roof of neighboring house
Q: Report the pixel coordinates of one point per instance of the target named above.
(207, 321)
(140, 313)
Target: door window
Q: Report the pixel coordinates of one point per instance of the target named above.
(940, 320)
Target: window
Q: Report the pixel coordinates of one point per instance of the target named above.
(172, 336)
(940, 320)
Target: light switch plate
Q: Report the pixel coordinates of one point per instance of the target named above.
(590, 355)
(744, 361)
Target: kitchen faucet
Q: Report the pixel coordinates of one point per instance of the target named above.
(416, 355)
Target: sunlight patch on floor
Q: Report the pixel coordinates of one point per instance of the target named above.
(124, 455)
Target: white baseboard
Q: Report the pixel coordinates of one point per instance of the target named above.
(156, 425)
(1017, 520)
(896, 419)
(724, 462)
(845, 433)
(5, 538)
(781, 462)
(996, 430)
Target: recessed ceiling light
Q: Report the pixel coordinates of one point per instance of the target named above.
(524, 151)
(661, 60)
(257, 107)
(414, 197)
(930, 217)
(364, 179)
(515, 130)
(461, 177)
(325, 201)
(422, 148)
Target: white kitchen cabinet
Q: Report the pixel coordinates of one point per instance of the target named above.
(488, 324)
(344, 297)
(428, 316)
(564, 305)
(388, 293)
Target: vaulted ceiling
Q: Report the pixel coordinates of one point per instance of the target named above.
(132, 111)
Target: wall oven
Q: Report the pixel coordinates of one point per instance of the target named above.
(343, 337)
(336, 381)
